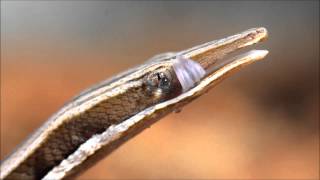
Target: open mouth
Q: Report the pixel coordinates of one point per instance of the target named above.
(210, 54)
(197, 63)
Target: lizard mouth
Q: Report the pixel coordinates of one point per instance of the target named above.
(196, 63)
(210, 54)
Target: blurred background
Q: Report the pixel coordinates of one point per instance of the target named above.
(261, 123)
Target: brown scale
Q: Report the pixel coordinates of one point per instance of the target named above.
(80, 128)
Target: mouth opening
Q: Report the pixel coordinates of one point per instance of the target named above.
(235, 56)
(196, 63)
(215, 54)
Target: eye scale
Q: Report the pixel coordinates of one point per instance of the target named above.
(164, 81)
(188, 72)
(159, 81)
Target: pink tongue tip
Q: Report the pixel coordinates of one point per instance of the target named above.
(188, 72)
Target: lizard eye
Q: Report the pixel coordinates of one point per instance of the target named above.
(164, 81)
(159, 81)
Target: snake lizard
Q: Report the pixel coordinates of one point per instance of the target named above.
(103, 117)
